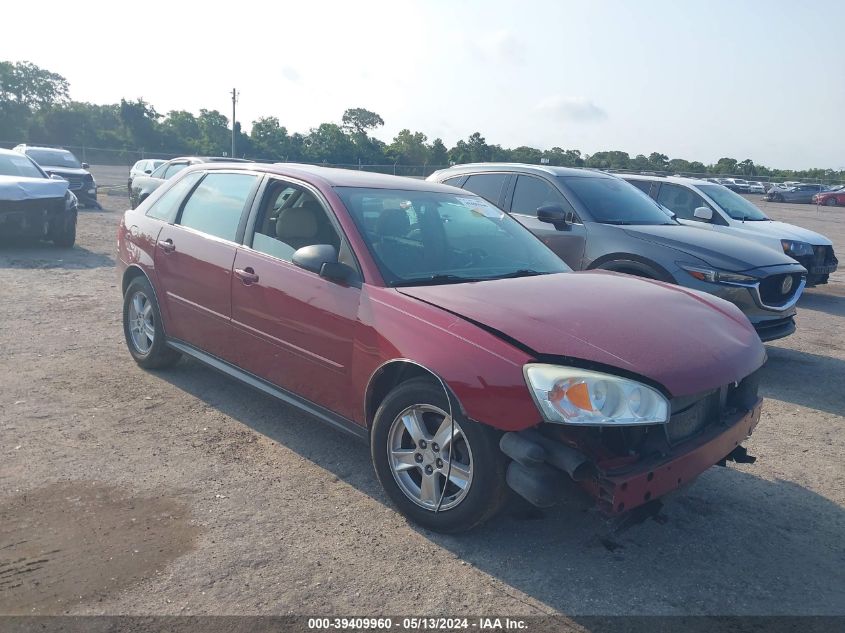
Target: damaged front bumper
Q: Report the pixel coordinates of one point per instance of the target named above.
(543, 468)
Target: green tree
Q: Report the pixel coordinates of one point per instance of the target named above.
(438, 155)
(140, 120)
(328, 143)
(31, 86)
(725, 166)
(409, 148)
(361, 120)
(658, 162)
(270, 139)
(215, 135)
(181, 132)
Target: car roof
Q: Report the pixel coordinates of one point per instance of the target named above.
(52, 149)
(335, 177)
(548, 170)
(681, 180)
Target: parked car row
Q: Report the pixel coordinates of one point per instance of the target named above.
(425, 318)
(62, 163)
(799, 192)
(145, 177)
(34, 204)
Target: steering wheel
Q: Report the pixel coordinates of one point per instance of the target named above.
(475, 255)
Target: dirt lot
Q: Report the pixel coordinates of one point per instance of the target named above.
(130, 492)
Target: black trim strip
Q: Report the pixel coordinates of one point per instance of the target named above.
(324, 415)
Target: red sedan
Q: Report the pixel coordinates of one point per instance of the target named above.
(427, 322)
(830, 198)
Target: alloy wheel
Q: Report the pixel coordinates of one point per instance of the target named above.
(421, 441)
(141, 323)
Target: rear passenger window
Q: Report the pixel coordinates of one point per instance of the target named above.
(174, 169)
(216, 205)
(532, 193)
(642, 185)
(454, 180)
(166, 207)
(488, 186)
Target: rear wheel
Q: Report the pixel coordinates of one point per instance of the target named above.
(143, 329)
(445, 474)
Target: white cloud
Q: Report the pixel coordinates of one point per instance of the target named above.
(501, 46)
(571, 108)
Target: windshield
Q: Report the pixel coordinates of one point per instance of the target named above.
(733, 204)
(54, 158)
(614, 201)
(425, 237)
(19, 166)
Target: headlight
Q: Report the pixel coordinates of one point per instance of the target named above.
(793, 248)
(717, 276)
(566, 395)
(70, 200)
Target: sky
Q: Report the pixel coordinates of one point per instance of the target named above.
(697, 80)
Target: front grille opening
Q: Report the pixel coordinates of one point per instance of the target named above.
(771, 289)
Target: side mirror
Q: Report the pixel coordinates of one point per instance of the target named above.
(554, 214)
(56, 177)
(85, 166)
(703, 213)
(322, 259)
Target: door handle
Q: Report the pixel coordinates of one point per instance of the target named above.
(246, 275)
(167, 245)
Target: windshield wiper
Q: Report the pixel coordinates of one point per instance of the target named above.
(433, 280)
(522, 272)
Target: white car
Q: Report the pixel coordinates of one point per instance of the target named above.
(756, 187)
(715, 207)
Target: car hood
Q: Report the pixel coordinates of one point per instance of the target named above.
(684, 340)
(15, 188)
(721, 251)
(781, 231)
(65, 171)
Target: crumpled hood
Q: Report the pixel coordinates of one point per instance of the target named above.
(782, 231)
(65, 171)
(722, 251)
(14, 188)
(686, 341)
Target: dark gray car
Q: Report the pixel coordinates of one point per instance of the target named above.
(596, 220)
(798, 193)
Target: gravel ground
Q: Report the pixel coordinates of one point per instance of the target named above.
(132, 492)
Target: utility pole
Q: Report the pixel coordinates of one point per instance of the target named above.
(234, 101)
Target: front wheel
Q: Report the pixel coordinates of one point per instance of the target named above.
(445, 474)
(830, 202)
(143, 329)
(63, 232)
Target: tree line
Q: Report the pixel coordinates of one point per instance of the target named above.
(35, 108)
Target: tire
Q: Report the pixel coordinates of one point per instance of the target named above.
(830, 202)
(143, 329)
(64, 235)
(478, 463)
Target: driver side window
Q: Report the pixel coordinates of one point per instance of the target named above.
(532, 193)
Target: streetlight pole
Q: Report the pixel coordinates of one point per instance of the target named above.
(234, 101)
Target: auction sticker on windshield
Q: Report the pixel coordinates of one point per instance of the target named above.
(481, 206)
